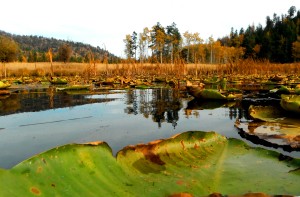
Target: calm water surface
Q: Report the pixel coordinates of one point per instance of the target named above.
(35, 121)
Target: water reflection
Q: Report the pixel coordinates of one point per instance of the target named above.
(37, 120)
(162, 105)
(41, 100)
(235, 108)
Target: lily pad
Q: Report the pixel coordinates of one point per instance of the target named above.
(57, 80)
(211, 94)
(273, 126)
(199, 163)
(281, 90)
(290, 103)
(265, 113)
(4, 85)
(74, 88)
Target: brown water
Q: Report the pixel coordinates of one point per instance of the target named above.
(34, 121)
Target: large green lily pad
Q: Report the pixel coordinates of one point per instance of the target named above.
(273, 126)
(194, 162)
(4, 85)
(211, 94)
(265, 113)
(291, 103)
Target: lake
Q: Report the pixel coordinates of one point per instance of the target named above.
(35, 120)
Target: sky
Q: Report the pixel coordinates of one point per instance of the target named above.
(105, 23)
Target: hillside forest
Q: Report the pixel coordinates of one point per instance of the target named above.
(37, 49)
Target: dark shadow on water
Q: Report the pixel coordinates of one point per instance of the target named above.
(197, 104)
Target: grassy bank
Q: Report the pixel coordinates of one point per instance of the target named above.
(244, 68)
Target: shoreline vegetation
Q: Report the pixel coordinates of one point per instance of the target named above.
(178, 70)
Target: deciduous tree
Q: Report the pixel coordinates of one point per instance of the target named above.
(64, 53)
(296, 49)
(128, 46)
(50, 57)
(188, 39)
(143, 44)
(8, 49)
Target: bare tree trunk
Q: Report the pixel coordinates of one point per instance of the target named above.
(196, 62)
(187, 57)
(161, 57)
(4, 70)
(172, 54)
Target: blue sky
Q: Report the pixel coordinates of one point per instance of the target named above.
(106, 23)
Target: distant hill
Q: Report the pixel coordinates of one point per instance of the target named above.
(34, 48)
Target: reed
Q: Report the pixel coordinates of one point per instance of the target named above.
(177, 70)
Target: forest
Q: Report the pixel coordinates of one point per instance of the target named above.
(278, 42)
(35, 49)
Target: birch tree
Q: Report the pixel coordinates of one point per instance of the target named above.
(188, 39)
(143, 44)
(128, 46)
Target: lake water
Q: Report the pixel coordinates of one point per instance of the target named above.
(34, 121)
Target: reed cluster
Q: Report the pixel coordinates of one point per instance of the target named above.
(178, 69)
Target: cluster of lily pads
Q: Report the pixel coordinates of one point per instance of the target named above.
(277, 126)
(77, 82)
(192, 163)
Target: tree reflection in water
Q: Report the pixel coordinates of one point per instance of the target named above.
(161, 104)
(40, 100)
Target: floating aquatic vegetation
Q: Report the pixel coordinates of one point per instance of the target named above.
(58, 80)
(4, 85)
(272, 126)
(290, 103)
(194, 162)
(74, 88)
(281, 90)
(212, 94)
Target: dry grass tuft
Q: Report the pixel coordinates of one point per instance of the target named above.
(177, 70)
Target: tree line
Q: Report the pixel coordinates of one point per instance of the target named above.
(278, 41)
(36, 49)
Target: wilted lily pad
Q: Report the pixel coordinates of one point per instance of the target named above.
(276, 128)
(194, 162)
